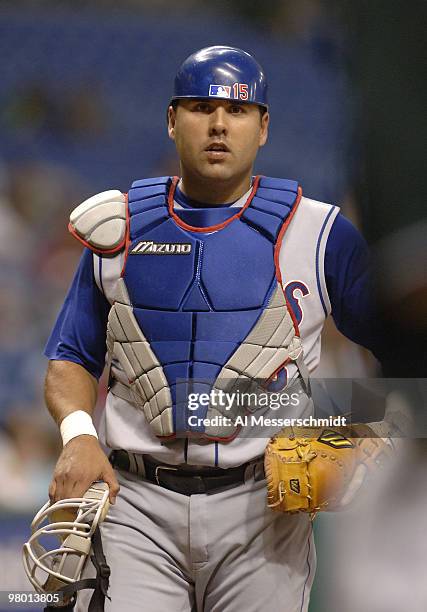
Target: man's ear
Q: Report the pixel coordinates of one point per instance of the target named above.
(265, 122)
(171, 122)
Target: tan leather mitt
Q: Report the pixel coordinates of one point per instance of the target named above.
(309, 469)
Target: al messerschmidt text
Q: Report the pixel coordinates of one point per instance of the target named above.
(260, 420)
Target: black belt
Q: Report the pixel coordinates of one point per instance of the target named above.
(185, 481)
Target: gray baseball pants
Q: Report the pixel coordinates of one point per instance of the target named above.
(223, 552)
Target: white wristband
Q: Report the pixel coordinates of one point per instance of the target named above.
(76, 424)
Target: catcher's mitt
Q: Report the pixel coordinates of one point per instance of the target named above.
(309, 469)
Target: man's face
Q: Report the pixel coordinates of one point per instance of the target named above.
(217, 139)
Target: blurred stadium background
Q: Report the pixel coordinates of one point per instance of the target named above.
(83, 96)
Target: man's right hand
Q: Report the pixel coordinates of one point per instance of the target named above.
(81, 462)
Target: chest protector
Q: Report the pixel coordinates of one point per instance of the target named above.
(199, 305)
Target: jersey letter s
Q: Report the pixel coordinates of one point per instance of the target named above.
(295, 291)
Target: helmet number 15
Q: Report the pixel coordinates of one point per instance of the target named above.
(240, 91)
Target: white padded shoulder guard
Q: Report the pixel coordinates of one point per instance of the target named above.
(100, 221)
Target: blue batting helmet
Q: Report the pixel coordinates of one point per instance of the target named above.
(221, 73)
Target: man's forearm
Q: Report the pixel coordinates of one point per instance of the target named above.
(69, 387)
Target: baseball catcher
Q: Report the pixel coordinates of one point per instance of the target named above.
(201, 287)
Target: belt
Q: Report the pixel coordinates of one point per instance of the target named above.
(185, 481)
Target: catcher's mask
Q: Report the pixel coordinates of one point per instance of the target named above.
(74, 525)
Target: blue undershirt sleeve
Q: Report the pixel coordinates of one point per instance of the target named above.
(79, 333)
(349, 285)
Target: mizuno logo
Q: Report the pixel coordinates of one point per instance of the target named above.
(335, 439)
(148, 247)
(294, 485)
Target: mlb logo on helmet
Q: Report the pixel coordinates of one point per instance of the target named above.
(221, 91)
